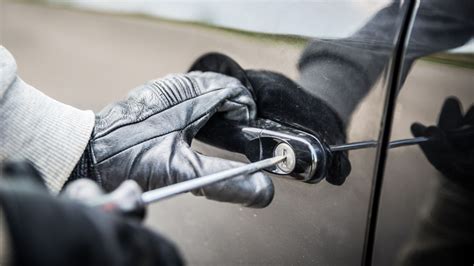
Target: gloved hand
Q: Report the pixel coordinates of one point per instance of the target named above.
(47, 230)
(451, 149)
(284, 101)
(147, 138)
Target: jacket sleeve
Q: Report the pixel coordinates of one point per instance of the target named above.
(343, 71)
(49, 134)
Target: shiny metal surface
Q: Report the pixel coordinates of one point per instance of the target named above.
(309, 156)
(289, 163)
(373, 143)
(199, 182)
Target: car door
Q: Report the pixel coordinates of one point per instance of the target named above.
(435, 69)
(349, 45)
(306, 223)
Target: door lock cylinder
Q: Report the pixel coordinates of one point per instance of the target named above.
(306, 156)
(288, 165)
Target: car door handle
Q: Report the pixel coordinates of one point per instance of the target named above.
(307, 156)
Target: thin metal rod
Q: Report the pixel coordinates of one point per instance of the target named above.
(354, 145)
(373, 143)
(186, 186)
(406, 142)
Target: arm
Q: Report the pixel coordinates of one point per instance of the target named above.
(50, 134)
(342, 72)
(146, 137)
(47, 230)
(445, 234)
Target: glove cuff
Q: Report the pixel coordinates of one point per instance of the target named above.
(85, 167)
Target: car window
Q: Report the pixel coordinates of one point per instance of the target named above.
(418, 187)
(332, 63)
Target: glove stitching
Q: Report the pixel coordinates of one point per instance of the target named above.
(175, 82)
(168, 89)
(94, 168)
(200, 191)
(108, 131)
(157, 94)
(174, 91)
(163, 95)
(194, 85)
(187, 93)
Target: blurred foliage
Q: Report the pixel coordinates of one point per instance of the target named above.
(295, 40)
(459, 59)
(267, 37)
(465, 60)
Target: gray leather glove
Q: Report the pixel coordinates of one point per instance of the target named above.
(147, 138)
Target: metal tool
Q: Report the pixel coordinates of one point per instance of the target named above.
(373, 143)
(305, 153)
(129, 197)
(186, 186)
(275, 148)
(458, 137)
(309, 157)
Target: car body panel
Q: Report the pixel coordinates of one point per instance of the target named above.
(89, 59)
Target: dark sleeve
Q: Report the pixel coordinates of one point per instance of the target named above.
(45, 230)
(343, 71)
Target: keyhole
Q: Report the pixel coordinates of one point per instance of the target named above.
(285, 161)
(287, 165)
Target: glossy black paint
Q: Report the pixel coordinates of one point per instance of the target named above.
(394, 84)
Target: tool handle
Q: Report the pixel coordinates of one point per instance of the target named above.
(125, 200)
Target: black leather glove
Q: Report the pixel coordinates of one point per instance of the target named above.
(284, 101)
(147, 138)
(445, 233)
(47, 230)
(451, 149)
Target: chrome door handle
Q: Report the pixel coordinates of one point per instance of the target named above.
(307, 156)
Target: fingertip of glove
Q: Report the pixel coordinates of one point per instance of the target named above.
(418, 129)
(469, 116)
(264, 192)
(336, 179)
(434, 132)
(339, 170)
(451, 104)
(451, 114)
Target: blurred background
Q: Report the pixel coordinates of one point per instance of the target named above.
(90, 53)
